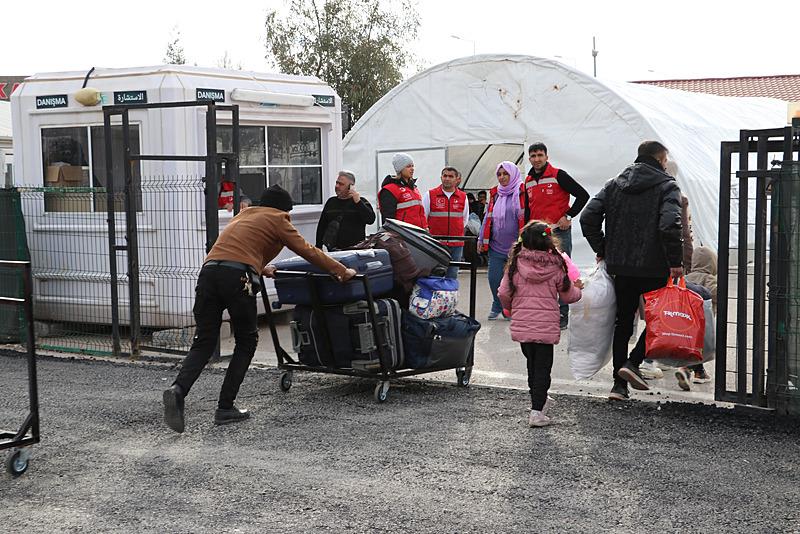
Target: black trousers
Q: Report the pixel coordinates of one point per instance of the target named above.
(220, 288)
(540, 362)
(628, 289)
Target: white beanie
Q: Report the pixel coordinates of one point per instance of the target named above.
(400, 161)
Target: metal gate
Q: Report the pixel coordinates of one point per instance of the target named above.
(213, 160)
(759, 238)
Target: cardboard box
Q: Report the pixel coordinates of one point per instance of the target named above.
(66, 176)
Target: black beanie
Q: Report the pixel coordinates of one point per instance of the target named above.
(276, 197)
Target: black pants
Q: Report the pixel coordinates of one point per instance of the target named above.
(220, 288)
(628, 289)
(540, 362)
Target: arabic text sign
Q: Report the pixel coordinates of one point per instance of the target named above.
(130, 97)
(51, 101)
(325, 100)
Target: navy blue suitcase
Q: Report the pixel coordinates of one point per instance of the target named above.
(353, 341)
(373, 262)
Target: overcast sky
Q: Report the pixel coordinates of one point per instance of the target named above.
(684, 39)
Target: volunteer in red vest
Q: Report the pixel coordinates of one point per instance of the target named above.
(548, 192)
(504, 218)
(225, 198)
(399, 197)
(447, 210)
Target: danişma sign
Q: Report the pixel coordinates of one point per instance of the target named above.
(215, 95)
(51, 101)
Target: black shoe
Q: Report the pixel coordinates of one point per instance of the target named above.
(564, 322)
(633, 376)
(223, 416)
(619, 392)
(173, 408)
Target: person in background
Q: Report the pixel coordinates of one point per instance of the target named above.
(504, 218)
(478, 206)
(634, 223)
(399, 197)
(447, 211)
(230, 279)
(534, 283)
(548, 191)
(345, 215)
(704, 274)
(225, 197)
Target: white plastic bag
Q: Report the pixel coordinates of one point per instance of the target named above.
(474, 224)
(591, 324)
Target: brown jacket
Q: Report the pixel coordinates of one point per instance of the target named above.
(256, 235)
(686, 230)
(704, 271)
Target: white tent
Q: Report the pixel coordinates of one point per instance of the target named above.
(474, 112)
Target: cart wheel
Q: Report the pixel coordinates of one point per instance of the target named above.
(17, 462)
(463, 375)
(286, 381)
(381, 391)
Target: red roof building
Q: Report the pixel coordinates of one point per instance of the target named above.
(783, 87)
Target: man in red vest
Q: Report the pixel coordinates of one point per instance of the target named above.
(399, 197)
(447, 210)
(548, 190)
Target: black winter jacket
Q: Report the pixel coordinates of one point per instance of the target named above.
(642, 212)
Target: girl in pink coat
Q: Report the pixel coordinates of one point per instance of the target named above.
(535, 277)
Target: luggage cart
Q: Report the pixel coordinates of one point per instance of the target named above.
(28, 433)
(385, 374)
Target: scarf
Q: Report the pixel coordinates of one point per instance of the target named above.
(506, 207)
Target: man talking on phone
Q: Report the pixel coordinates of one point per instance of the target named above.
(345, 216)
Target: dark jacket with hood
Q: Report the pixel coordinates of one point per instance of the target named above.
(642, 212)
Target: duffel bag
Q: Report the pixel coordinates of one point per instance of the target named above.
(434, 297)
(441, 343)
(405, 269)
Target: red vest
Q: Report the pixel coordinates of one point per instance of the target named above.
(447, 214)
(546, 200)
(225, 194)
(486, 234)
(409, 204)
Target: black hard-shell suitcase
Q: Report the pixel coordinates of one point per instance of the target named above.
(375, 263)
(354, 343)
(428, 253)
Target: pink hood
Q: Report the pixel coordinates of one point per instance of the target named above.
(538, 283)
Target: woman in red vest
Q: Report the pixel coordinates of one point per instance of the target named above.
(504, 218)
(399, 197)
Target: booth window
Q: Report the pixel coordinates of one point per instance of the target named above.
(291, 157)
(74, 157)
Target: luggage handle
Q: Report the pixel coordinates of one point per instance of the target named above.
(299, 338)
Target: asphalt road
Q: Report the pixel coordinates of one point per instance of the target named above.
(433, 458)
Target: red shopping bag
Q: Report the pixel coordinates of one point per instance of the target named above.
(676, 324)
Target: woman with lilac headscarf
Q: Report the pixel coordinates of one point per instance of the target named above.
(501, 224)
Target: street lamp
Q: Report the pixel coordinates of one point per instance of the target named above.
(467, 40)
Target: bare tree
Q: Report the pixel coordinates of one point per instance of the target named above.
(174, 54)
